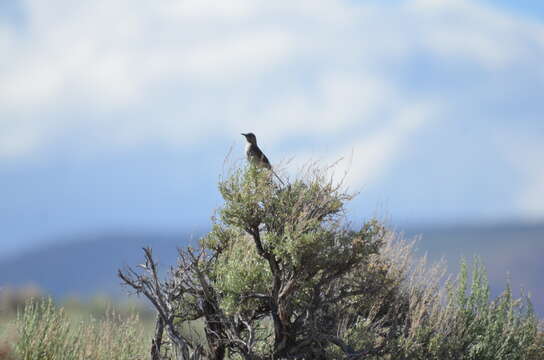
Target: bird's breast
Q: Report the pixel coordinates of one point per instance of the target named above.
(248, 148)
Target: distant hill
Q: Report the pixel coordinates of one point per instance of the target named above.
(514, 252)
(87, 265)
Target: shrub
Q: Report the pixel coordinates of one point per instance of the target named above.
(283, 275)
(46, 332)
(463, 323)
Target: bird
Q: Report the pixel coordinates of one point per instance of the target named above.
(255, 156)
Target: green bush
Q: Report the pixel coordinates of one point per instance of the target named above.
(284, 275)
(401, 308)
(465, 324)
(44, 331)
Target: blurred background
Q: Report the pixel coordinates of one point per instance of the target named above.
(116, 119)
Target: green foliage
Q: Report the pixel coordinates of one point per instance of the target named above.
(238, 272)
(371, 293)
(283, 275)
(46, 332)
(301, 225)
(470, 326)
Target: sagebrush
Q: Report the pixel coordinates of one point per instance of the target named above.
(43, 330)
(283, 275)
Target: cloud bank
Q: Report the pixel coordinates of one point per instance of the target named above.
(360, 78)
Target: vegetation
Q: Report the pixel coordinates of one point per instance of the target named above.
(282, 275)
(42, 330)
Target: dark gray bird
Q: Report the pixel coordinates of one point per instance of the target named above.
(255, 156)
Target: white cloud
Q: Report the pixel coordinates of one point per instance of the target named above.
(531, 199)
(236, 57)
(319, 68)
(367, 158)
(524, 152)
(334, 104)
(209, 9)
(475, 32)
(18, 140)
(378, 151)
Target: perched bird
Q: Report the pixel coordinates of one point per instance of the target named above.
(255, 156)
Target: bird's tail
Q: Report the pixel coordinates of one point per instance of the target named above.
(277, 177)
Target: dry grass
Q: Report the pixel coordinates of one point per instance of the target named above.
(6, 348)
(445, 319)
(45, 331)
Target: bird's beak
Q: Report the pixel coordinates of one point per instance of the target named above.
(243, 134)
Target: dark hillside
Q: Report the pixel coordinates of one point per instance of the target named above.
(88, 265)
(508, 251)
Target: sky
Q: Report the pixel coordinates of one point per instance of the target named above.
(121, 115)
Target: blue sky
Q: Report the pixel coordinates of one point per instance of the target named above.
(119, 115)
(530, 8)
